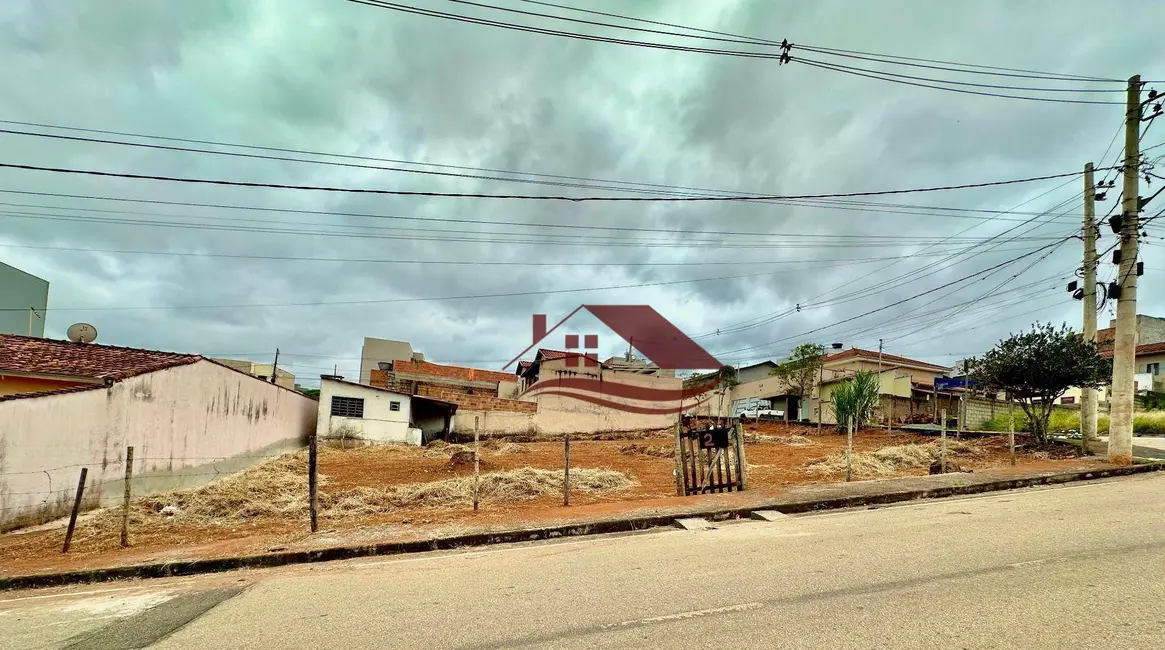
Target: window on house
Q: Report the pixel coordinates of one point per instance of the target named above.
(348, 407)
(1068, 400)
(1153, 368)
(394, 406)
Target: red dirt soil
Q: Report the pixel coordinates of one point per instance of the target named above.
(772, 466)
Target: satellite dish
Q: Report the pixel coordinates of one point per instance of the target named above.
(82, 333)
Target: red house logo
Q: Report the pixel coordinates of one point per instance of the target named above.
(661, 342)
(640, 326)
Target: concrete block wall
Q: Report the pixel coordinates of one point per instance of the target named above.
(476, 402)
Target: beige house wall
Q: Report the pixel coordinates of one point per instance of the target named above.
(377, 351)
(261, 370)
(550, 422)
(187, 424)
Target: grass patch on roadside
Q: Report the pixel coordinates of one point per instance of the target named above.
(1148, 423)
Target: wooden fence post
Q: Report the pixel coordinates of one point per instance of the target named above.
(476, 465)
(313, 479)
(741, 462)
(679, 460)
(76, 508)
(125, 501)
(849, 450)
(942, 453)
(566, 469)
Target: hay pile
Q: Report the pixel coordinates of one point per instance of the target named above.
(278, 489)
(499, 446)
(274, 489)
(635, 449)
(440, 449)
(889, 461)
(792, 441)
(515, 485)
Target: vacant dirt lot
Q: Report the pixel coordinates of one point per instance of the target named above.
(411, 490)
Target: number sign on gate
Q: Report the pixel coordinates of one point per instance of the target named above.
(709, 460)
(714, 438)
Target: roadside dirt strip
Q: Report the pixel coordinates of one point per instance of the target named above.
(712, 507)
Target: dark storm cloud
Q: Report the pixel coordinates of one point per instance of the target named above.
(333, 76)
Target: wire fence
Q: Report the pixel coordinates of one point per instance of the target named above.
(150, 474)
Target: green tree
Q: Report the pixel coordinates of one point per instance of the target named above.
(802, 369)
(856, 398)
(1035, 368)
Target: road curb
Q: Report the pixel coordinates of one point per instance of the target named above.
(614, 525)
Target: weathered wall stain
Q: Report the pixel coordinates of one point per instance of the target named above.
(189, 418)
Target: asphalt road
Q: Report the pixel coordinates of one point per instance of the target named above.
(1078, 566)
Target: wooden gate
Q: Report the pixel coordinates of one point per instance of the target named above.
(709, 459)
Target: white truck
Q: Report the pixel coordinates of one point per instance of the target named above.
(762, 414)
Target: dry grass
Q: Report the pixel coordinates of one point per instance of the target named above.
(636, 449)
(889, 461)
(439, 449)
(278, 489)
(515, 485)
(498, 447)
(792, 441)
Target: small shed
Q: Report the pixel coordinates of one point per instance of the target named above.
(351, 411)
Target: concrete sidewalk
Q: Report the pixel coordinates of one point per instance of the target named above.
(1149, 447)
(600, 518)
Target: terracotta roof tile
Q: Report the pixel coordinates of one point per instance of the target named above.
(450, 372)
(28, 354)
(886, 358)
(1148, 348)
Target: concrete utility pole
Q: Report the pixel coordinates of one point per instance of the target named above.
(1120, 430)
(1088, 395)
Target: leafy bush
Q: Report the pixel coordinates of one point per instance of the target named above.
(856, 398)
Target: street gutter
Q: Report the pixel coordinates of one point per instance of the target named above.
(784, 505)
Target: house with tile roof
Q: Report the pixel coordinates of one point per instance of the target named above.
(65, 405)
(907, 385)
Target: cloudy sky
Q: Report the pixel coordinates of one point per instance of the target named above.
(330, 76)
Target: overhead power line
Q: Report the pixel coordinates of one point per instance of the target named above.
(640, 199)
(508, 294)
(810, 303)
(450, 235)
(580, 181)
(898, 302)
(747, 41)
(809, 264)
(619, 41)
(882, 76)
(886, 58)
(970, 83)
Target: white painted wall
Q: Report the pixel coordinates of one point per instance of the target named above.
(187, 424)
(379, 424)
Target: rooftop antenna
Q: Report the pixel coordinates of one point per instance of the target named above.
(82, 333)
